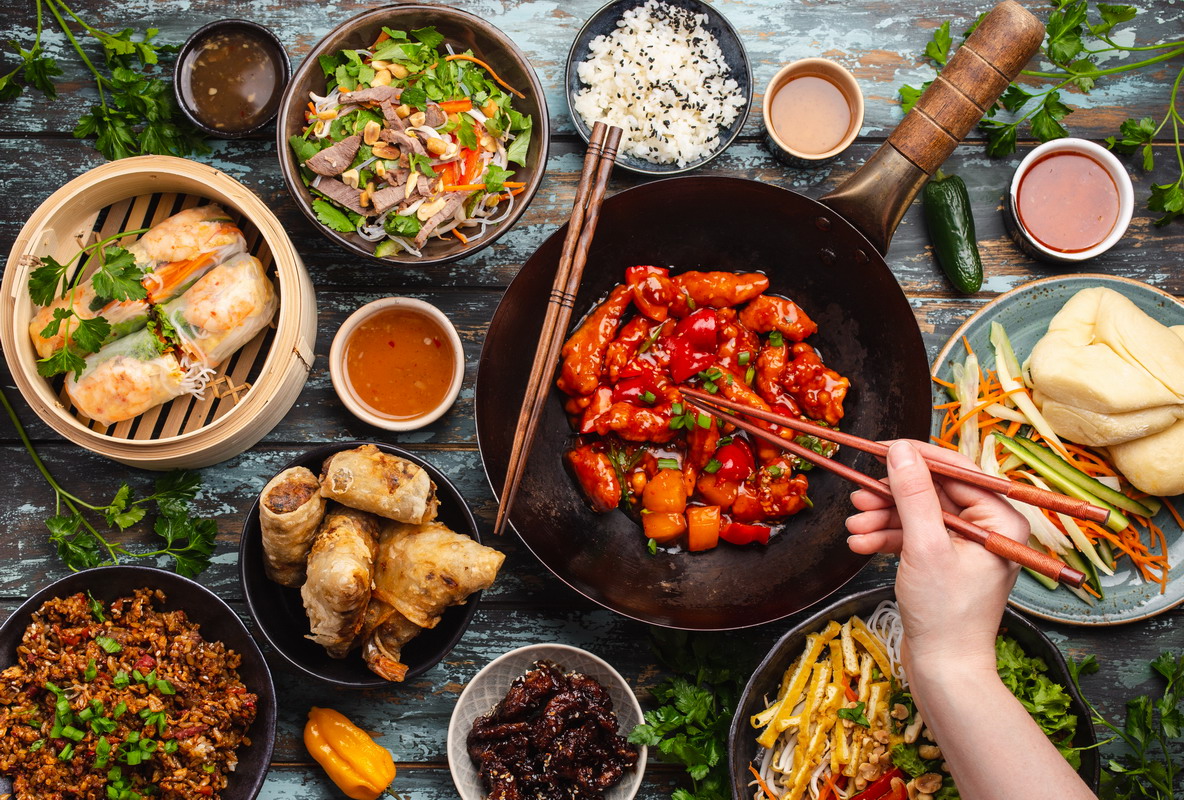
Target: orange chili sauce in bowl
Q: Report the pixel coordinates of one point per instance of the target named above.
(397, 363)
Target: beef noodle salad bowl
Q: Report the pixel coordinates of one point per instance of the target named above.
(413, 134)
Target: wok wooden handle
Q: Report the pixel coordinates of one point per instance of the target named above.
(875, 198)
(968, 86)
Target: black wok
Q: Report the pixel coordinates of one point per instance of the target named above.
(867, 332)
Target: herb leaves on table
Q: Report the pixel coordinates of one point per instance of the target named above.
(1077, 39)
(136, 113)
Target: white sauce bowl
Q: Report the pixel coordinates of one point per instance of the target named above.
(341, 384)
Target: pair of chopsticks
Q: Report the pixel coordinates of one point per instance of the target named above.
(995, 543)
(585, 213)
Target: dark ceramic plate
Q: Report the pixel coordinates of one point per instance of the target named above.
(218, 623)
(604, 22)
(278, 610)
(867, 332)
(463, 31)
(742, 746)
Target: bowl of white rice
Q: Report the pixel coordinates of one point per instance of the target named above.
(672, 74)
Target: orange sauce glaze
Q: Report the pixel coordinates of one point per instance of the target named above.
(399, 364)
(1068, 202)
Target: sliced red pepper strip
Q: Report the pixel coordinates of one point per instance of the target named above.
(880, 788)
(741, 533)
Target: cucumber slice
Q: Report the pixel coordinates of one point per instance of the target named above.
(387, 247)
(1074, 559)
(1117, 520)
(1090, 484)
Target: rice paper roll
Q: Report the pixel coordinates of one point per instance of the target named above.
(124, 316)
(223, 310)
(290, 511)
(340, 570)
(126, 378)
(374, 481)
(424, 569)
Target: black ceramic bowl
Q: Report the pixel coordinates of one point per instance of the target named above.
(278, 610)
(604, 22)
(230, 26)
(462, 30)
(764, 683)
(218, 623)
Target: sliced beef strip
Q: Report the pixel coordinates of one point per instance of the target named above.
(393, 120)
(435, 116)
(345, 195)
(336, 159)
(374, 94)
(454, 201)
(396, 177)
(387, 198)
(403, 142)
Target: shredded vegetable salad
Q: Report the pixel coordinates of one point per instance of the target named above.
(411, 141)
(992, 419)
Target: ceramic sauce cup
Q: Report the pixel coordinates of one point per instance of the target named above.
(813, 111)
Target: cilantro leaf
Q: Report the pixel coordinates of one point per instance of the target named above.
(331, 216)
(77, 547)
(40, 71)
(402, 225)
(44, 281)
(1001, 137)
(1014, 98)
(516, 152)
(938, 48)
(90, 334)
(1112, 15)
(1167, 198)
(909, 95)
(190, 542)
(179, 486)
(1045, 123)
(415, 96)
(421, 164)
(119, 276)
(855, 714)
(429, 36)
(495, 178)
(466, 133)
(1064, 29)
(64, 360)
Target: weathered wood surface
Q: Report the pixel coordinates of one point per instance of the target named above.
(879, 41)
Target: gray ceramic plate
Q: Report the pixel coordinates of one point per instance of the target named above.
(1025, 312)
(604, 21)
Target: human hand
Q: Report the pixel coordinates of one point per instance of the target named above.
(951, 591)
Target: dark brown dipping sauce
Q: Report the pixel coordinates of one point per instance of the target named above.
(1067, 202)
(231, 80)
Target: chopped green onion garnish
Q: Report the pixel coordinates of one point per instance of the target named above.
(91, 671)
(710, 387)
(676, 409)
(70, 732)
(164, 687)
(744, 357)
(775, 471)
(66, 753)
(120, 710)
(37, 745)
(667, 463)
(749, 375)
(108, 644)
(712, 466)
(121, 680)
(210, 767)
(704, 419)
(776, 339)
(648, 398)
(652, 546)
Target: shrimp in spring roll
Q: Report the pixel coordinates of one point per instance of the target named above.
(126, 378)
(223, 310)
(173, 254)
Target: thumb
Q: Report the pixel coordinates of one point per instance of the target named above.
(917, 503)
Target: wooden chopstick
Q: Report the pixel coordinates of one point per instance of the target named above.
(994, 542)
(598, 164)
(1021, 492)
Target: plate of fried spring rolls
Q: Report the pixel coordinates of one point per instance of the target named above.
(362, 565)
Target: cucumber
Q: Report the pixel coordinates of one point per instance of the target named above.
(1090, 484)
(951, 230)
(387, 247)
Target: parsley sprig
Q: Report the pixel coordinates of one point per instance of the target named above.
(117, 277)
(188, 540)
(1151, 723)
(696, 703)
(136, 113)
(1076, 40)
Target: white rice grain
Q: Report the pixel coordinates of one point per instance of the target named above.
(662, 78)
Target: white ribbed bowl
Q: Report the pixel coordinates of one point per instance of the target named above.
(490, 685)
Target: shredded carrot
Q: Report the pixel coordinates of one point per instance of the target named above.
(944, 444)
(382, 37)
(311, 107)
(761, 781)
(518, 191)
(456, 106)
(464, 239)
(1013, 429)
(1091, 590)
(989, 401)
(489, 69)
(1175, 514)
(951, 404)
(830, 783)
(480, 187)
(940, 382)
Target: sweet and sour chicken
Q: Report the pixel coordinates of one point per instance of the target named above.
(642, 448)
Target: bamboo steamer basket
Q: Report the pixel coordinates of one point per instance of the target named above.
(251, 392)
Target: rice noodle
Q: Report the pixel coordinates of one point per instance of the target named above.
(197, 376)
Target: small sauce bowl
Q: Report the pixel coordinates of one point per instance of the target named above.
(1033, 246)
(838, 78)
(218, 90)
(339, 370)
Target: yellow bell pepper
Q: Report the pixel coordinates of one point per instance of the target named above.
(358, 765)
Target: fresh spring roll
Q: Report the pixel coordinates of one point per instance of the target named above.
(126, 378)
(290, 511)
(173, 254)
(223, 311)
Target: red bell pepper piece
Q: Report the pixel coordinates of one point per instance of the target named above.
(735, 459)
(633, 390)
(740, 533)
(693, 344)
(881, 788)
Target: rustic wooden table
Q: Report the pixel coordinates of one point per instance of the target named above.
(878, 41)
